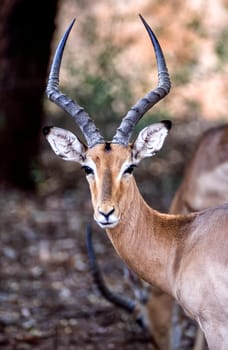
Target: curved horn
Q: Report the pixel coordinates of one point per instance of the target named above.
(136, 112)
(124, 303)
(86, 124)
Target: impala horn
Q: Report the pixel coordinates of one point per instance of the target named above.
(137, 111)
(124, 303)
(129, 305)
(86, 124)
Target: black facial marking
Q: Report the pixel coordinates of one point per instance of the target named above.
(107, 146)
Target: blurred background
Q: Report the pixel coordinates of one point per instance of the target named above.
(47, 297)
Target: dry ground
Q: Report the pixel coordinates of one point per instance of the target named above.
(47, 297)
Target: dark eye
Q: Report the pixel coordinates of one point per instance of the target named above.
(130, 169)
(87, 170)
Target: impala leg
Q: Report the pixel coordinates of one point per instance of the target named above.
(200, 342)
(183, 330)
(139, 287)
(159, 308)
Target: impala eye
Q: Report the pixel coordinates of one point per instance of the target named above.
(87, 170)
(130, 169)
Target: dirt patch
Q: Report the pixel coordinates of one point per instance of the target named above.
(48, 299)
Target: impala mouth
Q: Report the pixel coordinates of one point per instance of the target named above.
(106, 221)
(107, 224)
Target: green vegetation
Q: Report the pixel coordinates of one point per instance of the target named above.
(221, 47)
(182, 75)
(195, 24)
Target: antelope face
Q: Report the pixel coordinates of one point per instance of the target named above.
(108, 166)
(108, 170)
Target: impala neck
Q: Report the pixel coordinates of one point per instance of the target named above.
(145, 239)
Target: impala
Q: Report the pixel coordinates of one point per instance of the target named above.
(205, 179)
(185, 256)
(204, 185)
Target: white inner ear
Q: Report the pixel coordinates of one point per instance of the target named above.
(66, 145)
(149, 141)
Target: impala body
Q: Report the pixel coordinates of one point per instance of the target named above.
(184, 255)
(205, 181)
(204, 184)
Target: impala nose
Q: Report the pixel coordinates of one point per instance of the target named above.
(106, 214)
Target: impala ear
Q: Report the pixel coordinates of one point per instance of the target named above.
(150, 140)
(65, 144)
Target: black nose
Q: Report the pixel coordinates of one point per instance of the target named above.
(106, 215)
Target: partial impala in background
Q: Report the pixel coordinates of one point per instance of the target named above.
(183, 255)
(205, 181)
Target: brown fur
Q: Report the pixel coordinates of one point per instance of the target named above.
(210, 156)
(167, 251)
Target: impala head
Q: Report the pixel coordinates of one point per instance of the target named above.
(108, 165)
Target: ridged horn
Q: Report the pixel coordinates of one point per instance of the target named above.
(129, 305)
(136, 112)
(124, 303)
(86, 124)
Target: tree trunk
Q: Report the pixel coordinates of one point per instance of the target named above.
(25, 36)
